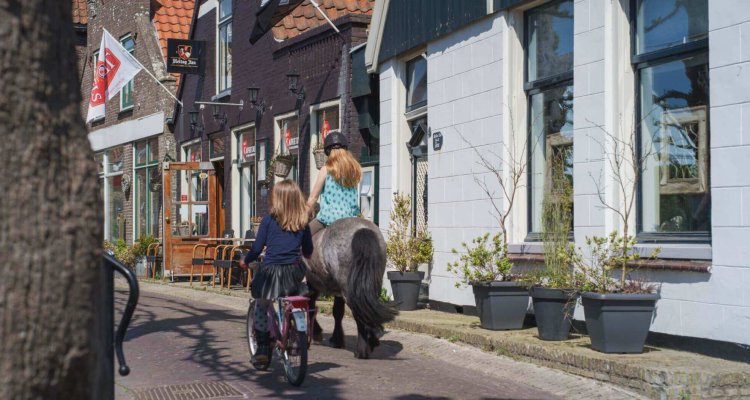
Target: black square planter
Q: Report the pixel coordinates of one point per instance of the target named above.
(501, 305)
(617, 322)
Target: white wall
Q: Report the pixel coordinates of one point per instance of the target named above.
(466, 97)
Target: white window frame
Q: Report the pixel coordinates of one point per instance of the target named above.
(107, 190)
(184, 146)
(236, 178)
(315, 136)
(131, 83)
(219, 24)
(134, 182)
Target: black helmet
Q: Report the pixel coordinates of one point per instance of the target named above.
(334, 140)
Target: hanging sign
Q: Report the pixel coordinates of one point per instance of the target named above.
(185, 56)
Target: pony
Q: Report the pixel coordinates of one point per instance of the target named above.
(348, 262)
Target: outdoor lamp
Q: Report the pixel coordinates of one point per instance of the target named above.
(216, 109)
(193, 118)
(253, 90)
(293, 78)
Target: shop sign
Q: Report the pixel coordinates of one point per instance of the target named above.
(248, 150)
(183, 197)
(290, 142)
(185, 56)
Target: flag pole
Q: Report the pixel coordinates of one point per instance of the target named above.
(317, 7)
(150, 74)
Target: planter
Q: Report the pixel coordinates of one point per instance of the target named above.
(618, 323)
(405, 287)
(553, 309)
(320, 158)
(501, 305)
(140, 267)
(282, 166)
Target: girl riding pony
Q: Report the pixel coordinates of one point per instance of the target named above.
(338, 181)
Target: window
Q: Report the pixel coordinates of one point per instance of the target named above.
(147, 188)
(416, 83)
(225, 45)
(110, 172)
(326, 120)
(193, 152)
(216, 147)
(126, 94)
(671, 59)
(246, 167)
(549, 88)
(288, 140)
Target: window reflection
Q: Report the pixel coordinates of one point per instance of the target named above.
(416, 84)
(667, 23)
(550, 40)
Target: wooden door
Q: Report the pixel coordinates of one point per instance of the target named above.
(190, 211)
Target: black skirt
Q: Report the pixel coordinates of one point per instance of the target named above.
(278, 280)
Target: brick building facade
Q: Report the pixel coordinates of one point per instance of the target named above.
(136, 133)
(303, 42)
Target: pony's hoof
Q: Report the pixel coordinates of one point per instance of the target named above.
(318, 336)
(336, 344)
(362, 356)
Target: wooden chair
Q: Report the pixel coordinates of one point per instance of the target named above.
(203, 260)
(220, 260)
(153, 258)
(236, 254)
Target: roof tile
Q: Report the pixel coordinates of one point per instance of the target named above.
(306, 17)
(80, 12)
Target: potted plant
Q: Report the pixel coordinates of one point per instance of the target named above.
(501, 299)
(618, 311)
(139, 250)
(255, 223)
(282, 164)
(319, 155)
(406, 250)
(555, 288)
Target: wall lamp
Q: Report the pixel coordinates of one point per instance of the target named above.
(258, 105)
(294, 86)
(219, 115)
(195, 125)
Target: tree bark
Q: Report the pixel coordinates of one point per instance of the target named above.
(51, 342)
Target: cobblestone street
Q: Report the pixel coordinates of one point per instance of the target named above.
(178, 343)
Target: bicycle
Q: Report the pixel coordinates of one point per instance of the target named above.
(290, 340)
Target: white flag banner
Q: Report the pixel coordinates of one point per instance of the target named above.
(114, 68)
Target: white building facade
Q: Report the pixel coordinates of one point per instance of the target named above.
(572, 78)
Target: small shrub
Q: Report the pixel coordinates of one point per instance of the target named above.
(483, 261)
(405, 249)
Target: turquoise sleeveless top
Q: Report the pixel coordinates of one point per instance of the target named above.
(337, 202)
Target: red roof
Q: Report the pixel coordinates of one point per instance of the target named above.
(80, 12)
(172, 20)
(306, 17)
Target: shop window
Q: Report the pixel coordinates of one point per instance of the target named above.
(288, 140)
(193, 152)
(549, 87)
(326, 120)
(245, 162)
(126, 94)
(224, 28)
(147, 196)
(416, 83)
(111, 172)
(671, 60)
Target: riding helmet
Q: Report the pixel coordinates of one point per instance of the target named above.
(334, 140)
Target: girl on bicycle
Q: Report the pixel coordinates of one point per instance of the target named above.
(283, 234)
(336, 184)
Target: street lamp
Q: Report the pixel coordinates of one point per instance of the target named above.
(294, 86)
(255, 102)
(194, 126)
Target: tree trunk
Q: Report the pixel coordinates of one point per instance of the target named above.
(51, 342)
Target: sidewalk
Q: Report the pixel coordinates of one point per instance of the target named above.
(657, 373)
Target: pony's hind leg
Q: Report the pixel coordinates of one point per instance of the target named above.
(364, 347)
(337, 339)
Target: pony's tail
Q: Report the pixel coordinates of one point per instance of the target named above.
(366, 280)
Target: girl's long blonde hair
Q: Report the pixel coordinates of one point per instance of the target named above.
(288, 206)
(344, 168)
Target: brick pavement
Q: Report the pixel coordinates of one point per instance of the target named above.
(182, 336)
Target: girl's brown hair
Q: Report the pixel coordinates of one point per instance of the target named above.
(344, 168)
(288, 206)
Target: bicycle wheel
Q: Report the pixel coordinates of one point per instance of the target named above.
(295, 354)
(252, 343)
